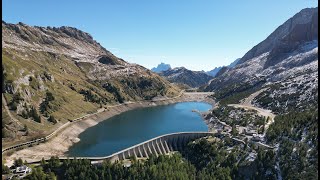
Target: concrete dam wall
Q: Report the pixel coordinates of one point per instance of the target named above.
(160, 145)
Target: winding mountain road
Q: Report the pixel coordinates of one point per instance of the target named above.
(246, 104)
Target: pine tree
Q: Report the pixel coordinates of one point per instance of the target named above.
(52, 119)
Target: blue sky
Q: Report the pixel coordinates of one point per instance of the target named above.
(199, 35)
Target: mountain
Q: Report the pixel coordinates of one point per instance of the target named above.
(302, 27)
(161, 67)
(234, 63)
(52, 74)
(279, 74)
(286, 61)
(185, 76)
(214, 72)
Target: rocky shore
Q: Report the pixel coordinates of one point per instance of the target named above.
(59, 145)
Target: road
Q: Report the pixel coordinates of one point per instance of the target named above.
(248, 100)
(246, 104)
(199, 93)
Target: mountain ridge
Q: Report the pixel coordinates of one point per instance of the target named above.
(185, 76)
(272, 65)
(302, 17)
(54, 74)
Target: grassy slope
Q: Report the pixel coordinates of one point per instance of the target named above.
(68, 103)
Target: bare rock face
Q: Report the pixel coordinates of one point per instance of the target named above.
(302, 27)
(286, 62)
(291, 49)
(58, 41)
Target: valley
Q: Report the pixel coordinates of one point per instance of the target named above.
(74, 110)
(58, 145)
(46, 84)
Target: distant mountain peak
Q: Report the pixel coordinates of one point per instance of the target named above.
(161, 67)
(185, 76)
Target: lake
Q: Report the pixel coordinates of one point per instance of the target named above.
(138, 125)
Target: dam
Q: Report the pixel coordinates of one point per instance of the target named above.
(160, 145)
(136, 126)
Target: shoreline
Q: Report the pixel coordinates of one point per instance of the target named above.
(60, 144)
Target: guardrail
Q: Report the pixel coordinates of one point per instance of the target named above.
(36, 140)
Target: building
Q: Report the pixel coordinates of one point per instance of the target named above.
(22, 171)
(250, 132)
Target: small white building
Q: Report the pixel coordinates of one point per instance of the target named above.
(23, 170)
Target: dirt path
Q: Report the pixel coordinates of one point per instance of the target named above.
(248, 100)
(246, 104)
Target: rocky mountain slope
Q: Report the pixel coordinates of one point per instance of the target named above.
(288, 55)
(285, 66)
(161, 67)
(54, 74)
(185, 76)
(214, 71)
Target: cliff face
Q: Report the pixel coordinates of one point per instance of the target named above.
(63, 72)
(290, 50)
(286, 62)
(302, 27)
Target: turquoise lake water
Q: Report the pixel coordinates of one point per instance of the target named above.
(138, 125)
